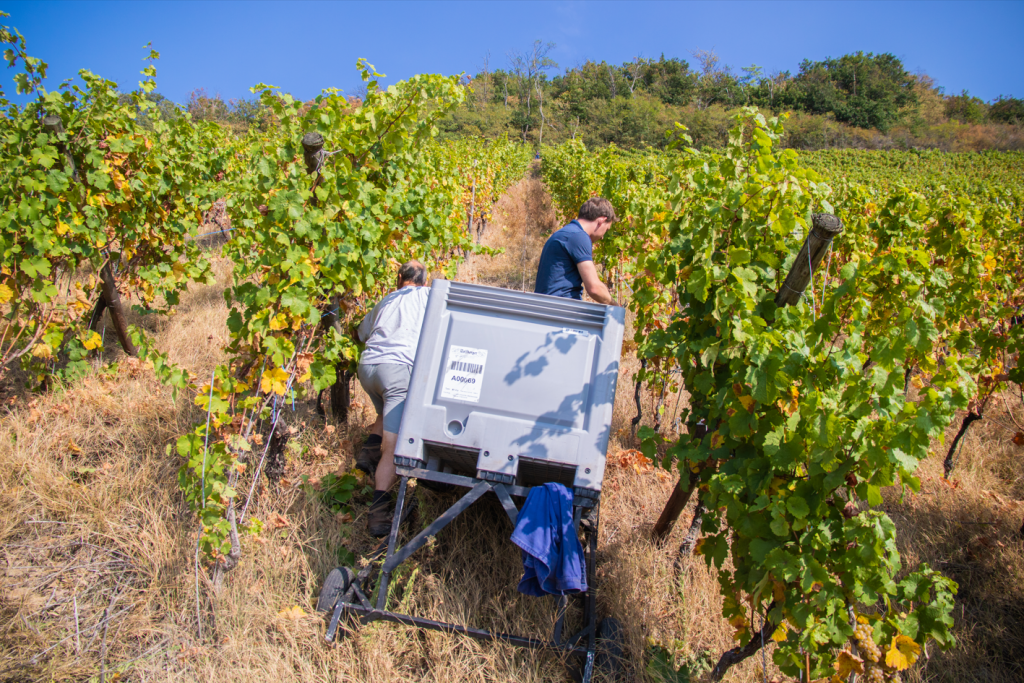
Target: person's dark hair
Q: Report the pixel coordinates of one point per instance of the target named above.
(597, 207)
(413, 273)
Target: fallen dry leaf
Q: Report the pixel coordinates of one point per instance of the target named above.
(319, 452)
(634, 460)
(279, 521)
(294, 612)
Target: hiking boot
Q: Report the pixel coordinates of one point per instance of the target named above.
(381, 514)
(368, 458)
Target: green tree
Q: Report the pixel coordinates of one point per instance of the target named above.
(966, 108)
(1007, 110)
(864, 90)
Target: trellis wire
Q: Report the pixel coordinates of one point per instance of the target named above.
(275, 414)
(207, 234)
(206, 445)
(764, 655)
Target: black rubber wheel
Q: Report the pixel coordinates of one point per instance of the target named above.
(609, 655)
(335, 585)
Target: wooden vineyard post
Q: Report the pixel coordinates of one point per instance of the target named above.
(113, 299)
(53, 125)
(340, 392)
(824, 227)
(472, 205)
(313, 155)
(680, 496)
(109, 297)
(674, 507)
(312, 145)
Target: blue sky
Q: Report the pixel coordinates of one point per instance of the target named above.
(226, 47)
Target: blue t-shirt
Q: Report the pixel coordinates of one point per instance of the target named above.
(557, 273)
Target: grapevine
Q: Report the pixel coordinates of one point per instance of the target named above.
(314, 246)
(808, 408)
(94, 201)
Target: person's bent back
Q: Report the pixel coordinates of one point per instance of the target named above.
(566, 265)
(391, 332)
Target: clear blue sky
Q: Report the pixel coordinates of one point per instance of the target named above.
(226, 47)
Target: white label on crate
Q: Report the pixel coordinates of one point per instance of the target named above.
(464, 373)
(581, 333)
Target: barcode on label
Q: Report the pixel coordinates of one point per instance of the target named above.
(471, 368)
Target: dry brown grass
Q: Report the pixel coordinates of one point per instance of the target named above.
(90, 515)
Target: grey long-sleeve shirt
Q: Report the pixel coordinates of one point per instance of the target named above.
(391, 331)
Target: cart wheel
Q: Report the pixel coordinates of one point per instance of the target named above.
(608, 659)
(335, 585)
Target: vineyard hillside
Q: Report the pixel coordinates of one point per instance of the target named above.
(98, 578)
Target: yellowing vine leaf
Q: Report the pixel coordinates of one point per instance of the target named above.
(42, 351)
(902, 653)
(274, 381)
(781, 633)
(6, 293)
(748, 403)
(279, 322)
(92, 340)
(846, 663)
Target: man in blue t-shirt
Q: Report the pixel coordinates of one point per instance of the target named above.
(567, 262)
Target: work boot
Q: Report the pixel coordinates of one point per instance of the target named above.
(369, 455)
(381, 514)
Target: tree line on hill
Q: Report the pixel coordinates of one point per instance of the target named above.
(856, 100)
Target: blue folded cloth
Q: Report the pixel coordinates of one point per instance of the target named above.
(552, 555)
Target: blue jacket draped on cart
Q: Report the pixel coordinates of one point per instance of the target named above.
(552, 555)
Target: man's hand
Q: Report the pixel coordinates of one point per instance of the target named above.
(592, 283)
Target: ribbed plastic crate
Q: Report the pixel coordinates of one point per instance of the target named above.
(512, 387)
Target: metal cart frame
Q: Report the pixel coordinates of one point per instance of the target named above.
(350, 595)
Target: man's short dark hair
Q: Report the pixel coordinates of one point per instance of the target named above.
(413, 273)
(597, 207)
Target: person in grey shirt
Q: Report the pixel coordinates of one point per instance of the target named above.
(391, 332)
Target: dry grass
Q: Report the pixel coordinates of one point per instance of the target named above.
(91, 517)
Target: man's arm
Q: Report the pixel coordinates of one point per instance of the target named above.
(592, 283)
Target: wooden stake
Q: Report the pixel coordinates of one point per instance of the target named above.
(675, 506)
(312, 145)
(53, 125)
(117, 317)
(824, 227)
